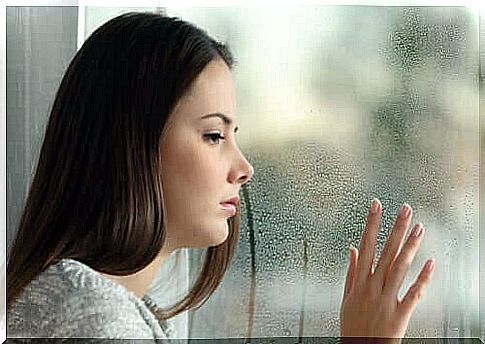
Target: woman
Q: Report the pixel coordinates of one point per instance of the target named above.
(139, 160)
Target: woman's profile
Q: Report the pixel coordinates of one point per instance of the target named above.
(139, 160)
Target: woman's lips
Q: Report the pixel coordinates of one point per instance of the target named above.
(230, 207)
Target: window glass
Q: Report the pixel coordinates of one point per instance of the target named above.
(338, 105)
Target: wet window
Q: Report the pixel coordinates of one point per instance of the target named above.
(338, 105)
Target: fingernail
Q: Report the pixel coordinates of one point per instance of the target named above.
(374, 206)
(430, 265)
(417, 229)
(405, 210)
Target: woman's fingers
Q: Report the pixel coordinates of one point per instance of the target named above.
(401, 265)
(409, 301)
(371, 308)
(368, 244)
(393, 245)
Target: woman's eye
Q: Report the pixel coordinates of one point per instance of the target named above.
(214, 136)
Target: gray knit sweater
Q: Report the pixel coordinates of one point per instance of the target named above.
(71, 300)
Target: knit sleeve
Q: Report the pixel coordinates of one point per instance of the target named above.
(70, 300)
(102, 318)
(105, 324)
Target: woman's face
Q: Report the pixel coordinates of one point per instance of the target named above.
(199, 170)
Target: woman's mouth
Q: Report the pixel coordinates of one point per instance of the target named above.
(229, 207)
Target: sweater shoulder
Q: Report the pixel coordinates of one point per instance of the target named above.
(69, 299)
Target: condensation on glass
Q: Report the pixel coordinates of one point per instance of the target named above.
(338, 105)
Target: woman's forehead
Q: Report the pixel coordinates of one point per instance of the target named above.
(211, 92)
(214, 77)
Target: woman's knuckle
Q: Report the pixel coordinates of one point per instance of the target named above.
(414, 244)
(407, 257)
(416, 291)
(417, 295)
(408, 261)
(402, 265)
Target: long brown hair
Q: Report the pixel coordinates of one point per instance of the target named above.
(96, 195)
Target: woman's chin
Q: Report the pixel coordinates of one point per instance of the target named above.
(219, 239)
(211, 238)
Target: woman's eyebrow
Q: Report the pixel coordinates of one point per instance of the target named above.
(227, 121)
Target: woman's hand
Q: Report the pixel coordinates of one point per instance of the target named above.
(370, 305)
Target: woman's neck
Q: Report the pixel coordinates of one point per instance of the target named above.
(139, 282)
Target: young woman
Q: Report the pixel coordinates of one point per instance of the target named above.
(139, 160)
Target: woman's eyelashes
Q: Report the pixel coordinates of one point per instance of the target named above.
(214, 136)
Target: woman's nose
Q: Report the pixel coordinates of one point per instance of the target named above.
(243, 171)
(248, 173)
